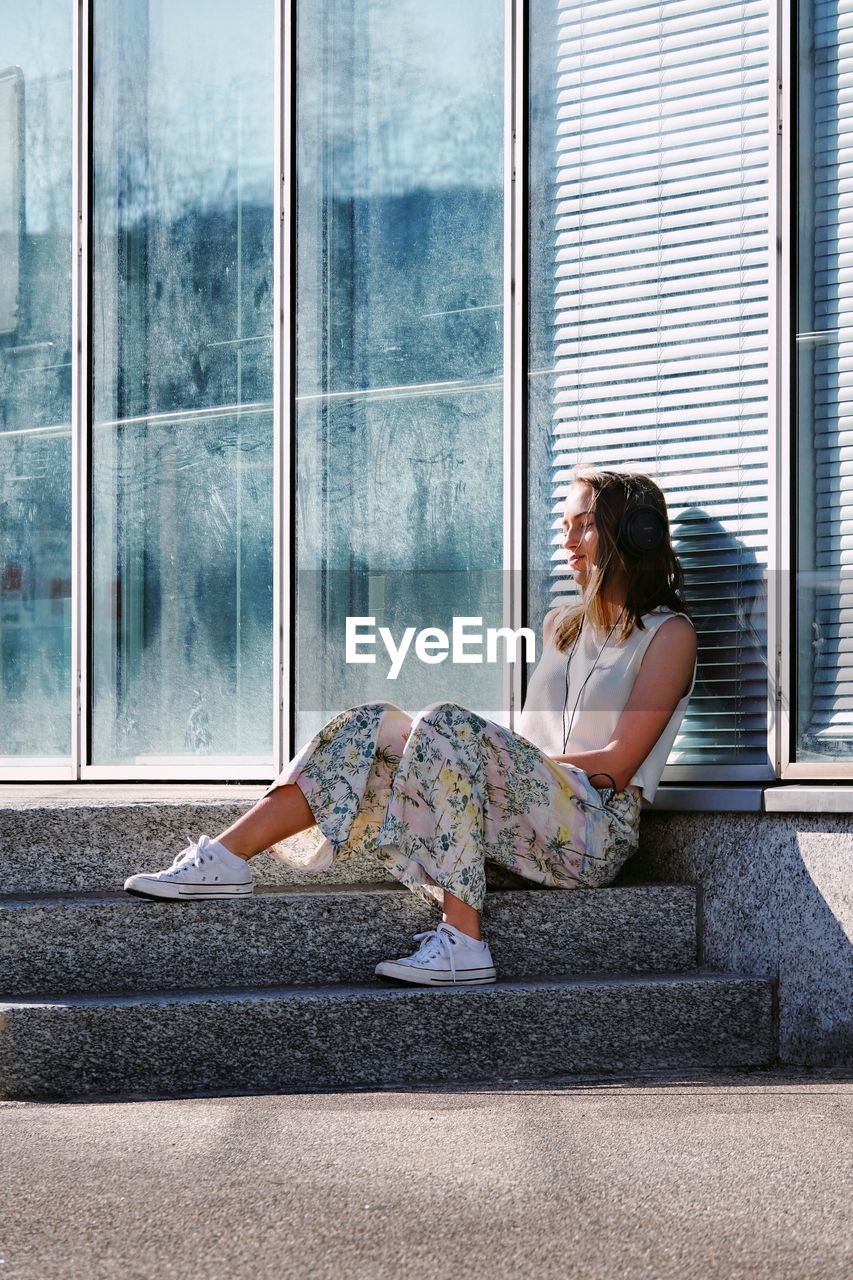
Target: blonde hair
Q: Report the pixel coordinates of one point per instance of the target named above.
(655, 578)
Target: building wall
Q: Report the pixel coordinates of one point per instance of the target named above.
(776, 900)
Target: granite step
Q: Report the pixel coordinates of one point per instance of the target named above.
(71, 944)
(91, 838)
(369, 1036)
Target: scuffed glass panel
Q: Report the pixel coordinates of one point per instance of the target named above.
(35, 379)
(182, 342)
(399, 135)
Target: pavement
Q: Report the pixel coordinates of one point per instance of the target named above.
(667, 1176)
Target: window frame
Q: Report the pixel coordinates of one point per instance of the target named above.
(791, 770)
(705, 785)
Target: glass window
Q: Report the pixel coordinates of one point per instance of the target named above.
(182, 397)
(399, 131)
(823, 655)
(35, 379)
(648, 326)
(647, 349)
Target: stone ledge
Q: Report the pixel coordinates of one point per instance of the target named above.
(753, 797)
(351, 1037)
(62, 947)
(823, 798)
(715, 798)
(72, 795)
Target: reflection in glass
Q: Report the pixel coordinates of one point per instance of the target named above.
(35, 379)
(182, 347)
(400, 332)
(823, 598)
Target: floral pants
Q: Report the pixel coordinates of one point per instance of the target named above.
(436, 797)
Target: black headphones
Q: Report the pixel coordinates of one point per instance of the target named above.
(642, 530)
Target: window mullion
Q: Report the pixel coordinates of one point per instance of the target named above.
(81, 187)
(283, 498)
(514, 331)
(782, 421)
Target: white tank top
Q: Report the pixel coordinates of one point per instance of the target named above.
(602, 700)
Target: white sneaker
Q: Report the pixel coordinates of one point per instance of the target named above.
(203, 870)
(446, 957)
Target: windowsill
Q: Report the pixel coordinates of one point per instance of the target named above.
(737, 798)
(22, 795)
(754, 797)
(820, 798)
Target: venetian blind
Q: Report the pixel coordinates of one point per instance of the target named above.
(661, 313)
(829, 727)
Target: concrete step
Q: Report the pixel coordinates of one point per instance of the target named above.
(368, 1036)
(89, 838)
(118, 944)
(92, 837)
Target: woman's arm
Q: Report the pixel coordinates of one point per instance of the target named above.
(662, 681)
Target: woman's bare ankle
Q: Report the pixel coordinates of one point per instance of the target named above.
(281, 813)
(238, 853)
(463, 917)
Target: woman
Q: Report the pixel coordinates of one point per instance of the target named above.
(435, 797)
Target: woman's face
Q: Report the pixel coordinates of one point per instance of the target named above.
(580, 536)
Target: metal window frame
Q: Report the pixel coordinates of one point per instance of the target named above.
(781, 425)
(67, 769)
(515, 340)
(283, 381)
(176, 768)
(706, 782)
(790, 770)
(783, 332)
(705, 790)
(81, 417)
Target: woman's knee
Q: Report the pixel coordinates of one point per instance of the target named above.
(441, 711)
(372, 710)
(374, 706)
